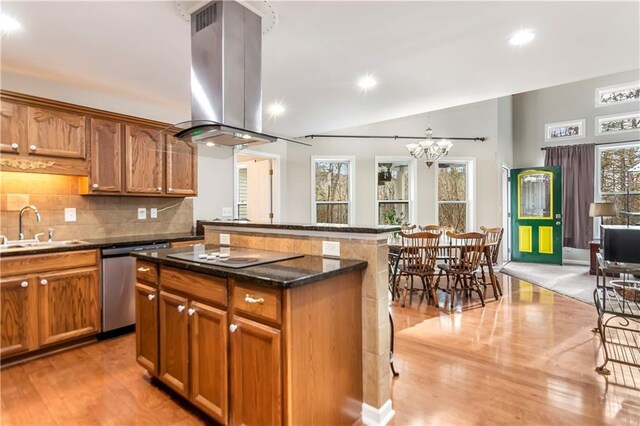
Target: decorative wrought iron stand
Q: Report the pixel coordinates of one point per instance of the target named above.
(618, 316)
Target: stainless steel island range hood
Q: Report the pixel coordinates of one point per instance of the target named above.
(226, 87)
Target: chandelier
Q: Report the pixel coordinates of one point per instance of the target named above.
(429, 150)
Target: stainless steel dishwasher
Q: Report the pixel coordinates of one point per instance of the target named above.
(118, 288)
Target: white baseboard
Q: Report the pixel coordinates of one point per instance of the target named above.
(372, 416)
(575, 262)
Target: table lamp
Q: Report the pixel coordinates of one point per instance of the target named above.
(603, 210)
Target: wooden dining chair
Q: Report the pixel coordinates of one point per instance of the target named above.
(393, 262)
(431, 228)
(443, 251)
(465, 253)
(493, 241)
(418, 259)
(408, 228)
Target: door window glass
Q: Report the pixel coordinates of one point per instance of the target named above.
(535, 195)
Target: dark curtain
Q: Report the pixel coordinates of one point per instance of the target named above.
(578, 167)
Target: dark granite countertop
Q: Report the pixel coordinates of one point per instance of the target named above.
(284, 274)
(356, 229)
(105, 243)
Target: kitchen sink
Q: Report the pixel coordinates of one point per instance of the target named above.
(35, 245)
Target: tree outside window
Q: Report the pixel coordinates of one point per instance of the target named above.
(392, 192)
(452, 195)
(332, 187)
(614, 163)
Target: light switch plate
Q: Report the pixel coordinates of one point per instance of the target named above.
(142, 213)
(70, 214)
(225, 240)
(227, 212)
(153, 213)
(331, 248)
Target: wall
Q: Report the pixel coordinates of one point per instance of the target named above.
(532, 110)
(477, 119)
(97, 216)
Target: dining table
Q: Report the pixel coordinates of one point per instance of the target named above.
(446, 243)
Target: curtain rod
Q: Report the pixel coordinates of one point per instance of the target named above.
(476, 139)
(596, 144)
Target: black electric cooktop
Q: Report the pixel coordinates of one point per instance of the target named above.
(230, 257)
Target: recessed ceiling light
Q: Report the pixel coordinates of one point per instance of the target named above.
(8, 24)
(211, 144)
(367, 82)
(522, 37)
(276, 109)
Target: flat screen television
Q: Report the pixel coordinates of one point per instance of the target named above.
(620, 243)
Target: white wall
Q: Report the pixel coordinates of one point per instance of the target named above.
(478, 119)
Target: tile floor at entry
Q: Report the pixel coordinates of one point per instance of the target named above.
(526, 359)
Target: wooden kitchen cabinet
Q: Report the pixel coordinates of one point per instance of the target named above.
(105, 157)
(68, 304)
(144, 160)
(18, 329)
(255, 373)
(54, 133)
(208, 359)
(182, 167)
(13, 127)
(146, 301)
(174, 340)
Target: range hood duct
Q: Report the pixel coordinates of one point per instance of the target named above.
(226, 72)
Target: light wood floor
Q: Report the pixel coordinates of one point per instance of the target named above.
(526, 359)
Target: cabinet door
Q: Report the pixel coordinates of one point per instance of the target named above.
(18, 329)
(105, 165)
(208, 355)
(174, 368)
(147, 327)
(54, 133)
(182, 167)
(256, 382)
(68, 304)
(144, 160)
(13, 128)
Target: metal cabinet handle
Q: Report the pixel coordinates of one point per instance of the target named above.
(169, 189)
(151, 296)
(32, 147)
(24, 284)
(191, 311)
(249, 299)
(233, 328)
(143, 269)
(14, 146)
(180, 308)
(44, 282)
(95, 186)
(159, 188)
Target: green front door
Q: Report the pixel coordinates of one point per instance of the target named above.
(536, 218)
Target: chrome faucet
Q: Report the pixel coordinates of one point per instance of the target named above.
(22, 212)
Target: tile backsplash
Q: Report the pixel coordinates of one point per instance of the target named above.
(96, 216)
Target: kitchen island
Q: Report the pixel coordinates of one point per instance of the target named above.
(367, 243)
(276, 343)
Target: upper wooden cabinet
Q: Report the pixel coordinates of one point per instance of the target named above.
(105, 156)
(13, 128)
(182, 167)
(144, 160)
(55, 133)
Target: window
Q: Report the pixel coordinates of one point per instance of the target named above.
(612, 163)
(455, 194)
(242, 192)
(332, 190)
(395, 190)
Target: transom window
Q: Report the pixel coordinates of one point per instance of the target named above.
(332, 190)
(612, 163)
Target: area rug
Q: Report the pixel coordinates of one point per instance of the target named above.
(570, 280)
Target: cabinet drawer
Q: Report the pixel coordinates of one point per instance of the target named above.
(258, 302)
(198, 286)
(37, 263)
(147, 272)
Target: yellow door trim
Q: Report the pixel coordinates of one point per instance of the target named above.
(536, 172)
(545, 239)
(525, 239)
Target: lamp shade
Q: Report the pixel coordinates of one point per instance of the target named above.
(603, 210)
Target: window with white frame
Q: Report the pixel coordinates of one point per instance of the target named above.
(612, 163)
(242, 192)
(332, 191)
(395, 188)
(455, 194)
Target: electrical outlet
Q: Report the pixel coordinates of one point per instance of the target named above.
(227, 212)
(331, 248)
(70, 214)
(153, 213)
(225, 240)
(142, 213)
